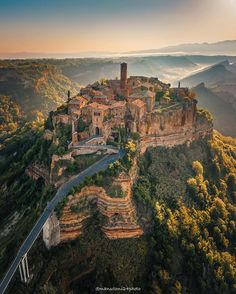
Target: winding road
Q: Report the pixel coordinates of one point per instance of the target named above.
(63, 191)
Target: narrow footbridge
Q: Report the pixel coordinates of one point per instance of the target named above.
(21, 260)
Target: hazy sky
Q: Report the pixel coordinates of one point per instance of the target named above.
(112, 25)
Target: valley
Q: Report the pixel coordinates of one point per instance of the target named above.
(96, 175)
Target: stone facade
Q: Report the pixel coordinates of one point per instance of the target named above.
(98, 114)
(130, 103)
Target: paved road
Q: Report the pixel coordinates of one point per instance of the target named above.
(100, 165)
(104, 147)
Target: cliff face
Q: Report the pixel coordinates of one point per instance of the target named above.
(173, 125)
(176, 125)
(119, 215)
(169, 120)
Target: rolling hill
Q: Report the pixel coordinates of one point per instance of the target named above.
(218, 48)
(216, 90)
(34, 86)
(211, 76)
(222, 110)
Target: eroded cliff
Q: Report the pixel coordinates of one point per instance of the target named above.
(118, 214)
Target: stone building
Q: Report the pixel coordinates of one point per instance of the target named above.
(98, 113)
(123, 76)
(148, 97)
(129, 103)
(61, 118)
(76, 104)
(137, 109)
(117, 109)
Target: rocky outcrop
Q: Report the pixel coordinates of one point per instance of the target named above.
(58, 166)
(36, 171)
(48, 135)
(177, 124)
(119, 213)
(174, 133)
(168, 119)
(51, 231)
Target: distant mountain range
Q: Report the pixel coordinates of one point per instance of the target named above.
(216, 90)
(219, 73)
(219, 48)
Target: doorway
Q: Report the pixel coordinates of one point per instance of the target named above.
(97, 131)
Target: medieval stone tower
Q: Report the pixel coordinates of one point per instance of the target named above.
(123, 76)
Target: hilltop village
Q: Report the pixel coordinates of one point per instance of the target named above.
(137, 104)
(105, 115)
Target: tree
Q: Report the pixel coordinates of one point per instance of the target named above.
(198, 168)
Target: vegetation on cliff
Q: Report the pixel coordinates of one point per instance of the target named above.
(185, 198)
(22, 199)
(191, 192)
(11, 117)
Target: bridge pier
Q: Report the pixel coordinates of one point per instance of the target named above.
(24, 269)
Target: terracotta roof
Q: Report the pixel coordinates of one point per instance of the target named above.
(138, 103)
(118, 104)
(100, 97)
(147, 84)
(143, 94)
(87, 97)
(98, 106)
(74, 101)
(134, 95)
(77, 99)
(96, 93)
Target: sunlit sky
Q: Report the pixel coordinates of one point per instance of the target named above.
(68, 26)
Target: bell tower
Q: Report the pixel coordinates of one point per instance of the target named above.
(123, 76)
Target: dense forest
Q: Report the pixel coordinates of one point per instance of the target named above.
(185, 198)
(22, 199)
(11, 117)
(191, 193)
